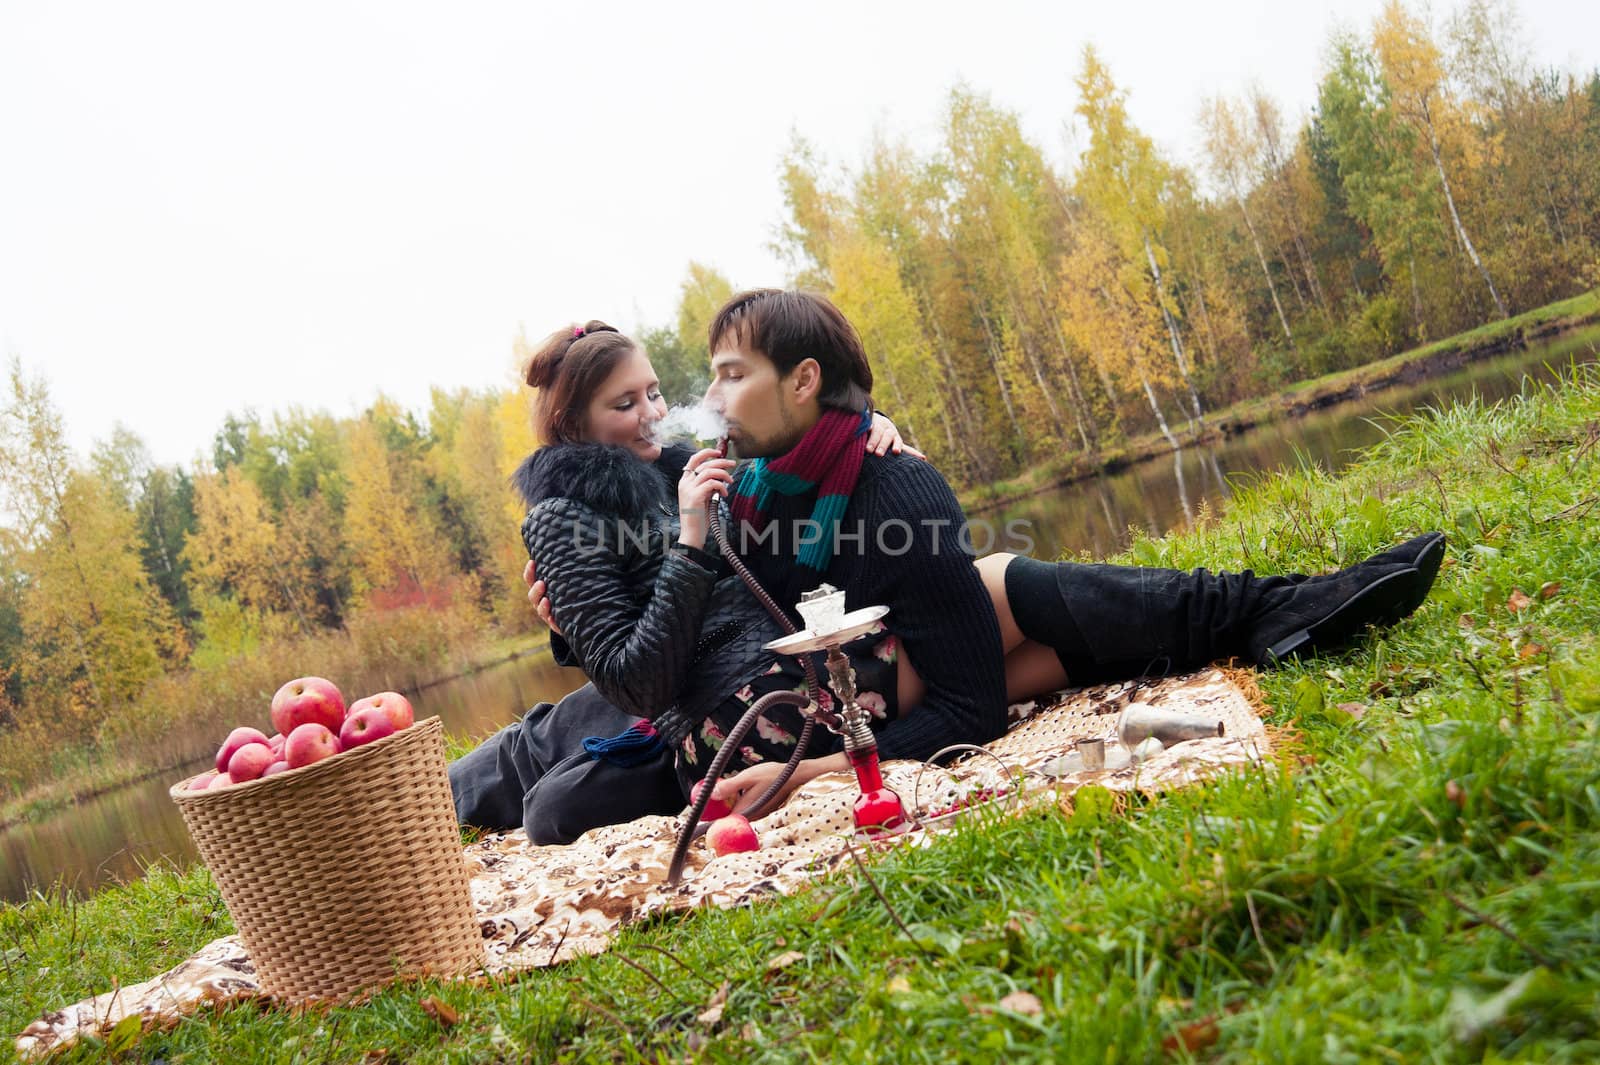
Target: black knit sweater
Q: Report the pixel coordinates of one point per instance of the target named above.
(908, 556)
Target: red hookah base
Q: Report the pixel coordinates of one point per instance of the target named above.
(878, 809)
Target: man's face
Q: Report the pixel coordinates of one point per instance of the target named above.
(766, 414)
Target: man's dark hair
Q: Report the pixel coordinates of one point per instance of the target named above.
(787, 327)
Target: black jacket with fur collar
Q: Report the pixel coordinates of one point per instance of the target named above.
(647, 623)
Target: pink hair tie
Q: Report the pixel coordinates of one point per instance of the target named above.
(577, 331)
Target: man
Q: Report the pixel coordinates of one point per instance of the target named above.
(783, 365)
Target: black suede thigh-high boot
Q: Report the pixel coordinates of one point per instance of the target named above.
(1110, 623)
(1115, 622)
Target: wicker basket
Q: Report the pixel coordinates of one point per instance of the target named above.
(345, 873)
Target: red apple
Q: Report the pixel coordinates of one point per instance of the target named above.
(309, 743)
(201, 782)
(236, 739)
(221, 780)
(715, 808)
(395, 705)
(309, 699)
(274, 769)
(250, 761)
(275, 741)
(370, 722)
(731, 835)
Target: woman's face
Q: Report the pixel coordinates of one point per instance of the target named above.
(626, 407)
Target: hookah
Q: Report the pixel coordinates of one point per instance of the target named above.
(878, 810)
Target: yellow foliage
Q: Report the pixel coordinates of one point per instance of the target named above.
(393, 540)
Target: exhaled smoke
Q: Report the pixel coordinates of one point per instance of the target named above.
(688, 424)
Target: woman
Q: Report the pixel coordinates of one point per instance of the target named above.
(665, 637)
(670, 640)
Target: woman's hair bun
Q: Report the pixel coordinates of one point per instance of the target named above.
(546, 361)
(567, 368)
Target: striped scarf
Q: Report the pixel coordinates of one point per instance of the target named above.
(828, 456)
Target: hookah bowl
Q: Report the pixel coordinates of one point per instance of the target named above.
(878, 810)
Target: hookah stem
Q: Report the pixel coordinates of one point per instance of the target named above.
(730, 747)
(720, 532)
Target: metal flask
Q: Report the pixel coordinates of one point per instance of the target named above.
(1140, 721)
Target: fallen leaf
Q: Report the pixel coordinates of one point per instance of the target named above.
(711, 1014)
(442, 1012)
(1471, 1017)
(1023, 1002)
(1355, 710)
(1517, 601)
(1549, 589)
(899, 985)
(1530, 650)
(125, 1034)
(720, 995)
(784, 960)
(934, 936)
(1193, 1037)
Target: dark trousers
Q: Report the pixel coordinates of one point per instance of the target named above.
(535, 773)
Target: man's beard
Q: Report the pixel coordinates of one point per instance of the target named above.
(781, 442)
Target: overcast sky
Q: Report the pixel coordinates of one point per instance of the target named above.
(205, 207)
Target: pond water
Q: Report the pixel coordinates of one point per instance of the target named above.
(116, 836)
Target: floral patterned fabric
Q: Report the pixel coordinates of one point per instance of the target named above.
(874, 658)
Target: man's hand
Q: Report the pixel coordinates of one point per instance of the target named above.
(741, 790)
(539, 597)
(883, 437)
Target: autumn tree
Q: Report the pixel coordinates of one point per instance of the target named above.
(94, 629)
(1412, 68)
(700, 297)
(238, 559)
(1374, 151)
(1234, 151)
(395, 542)
(1121, 175)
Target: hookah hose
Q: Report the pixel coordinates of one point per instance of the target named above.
(730, 745)
(720, 532)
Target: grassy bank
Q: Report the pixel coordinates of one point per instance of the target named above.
(183, 717)
(1419, 884)
(1428, 360)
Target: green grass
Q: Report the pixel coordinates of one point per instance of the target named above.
(1417, 883)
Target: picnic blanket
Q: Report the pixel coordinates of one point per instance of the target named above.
(539, 906)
